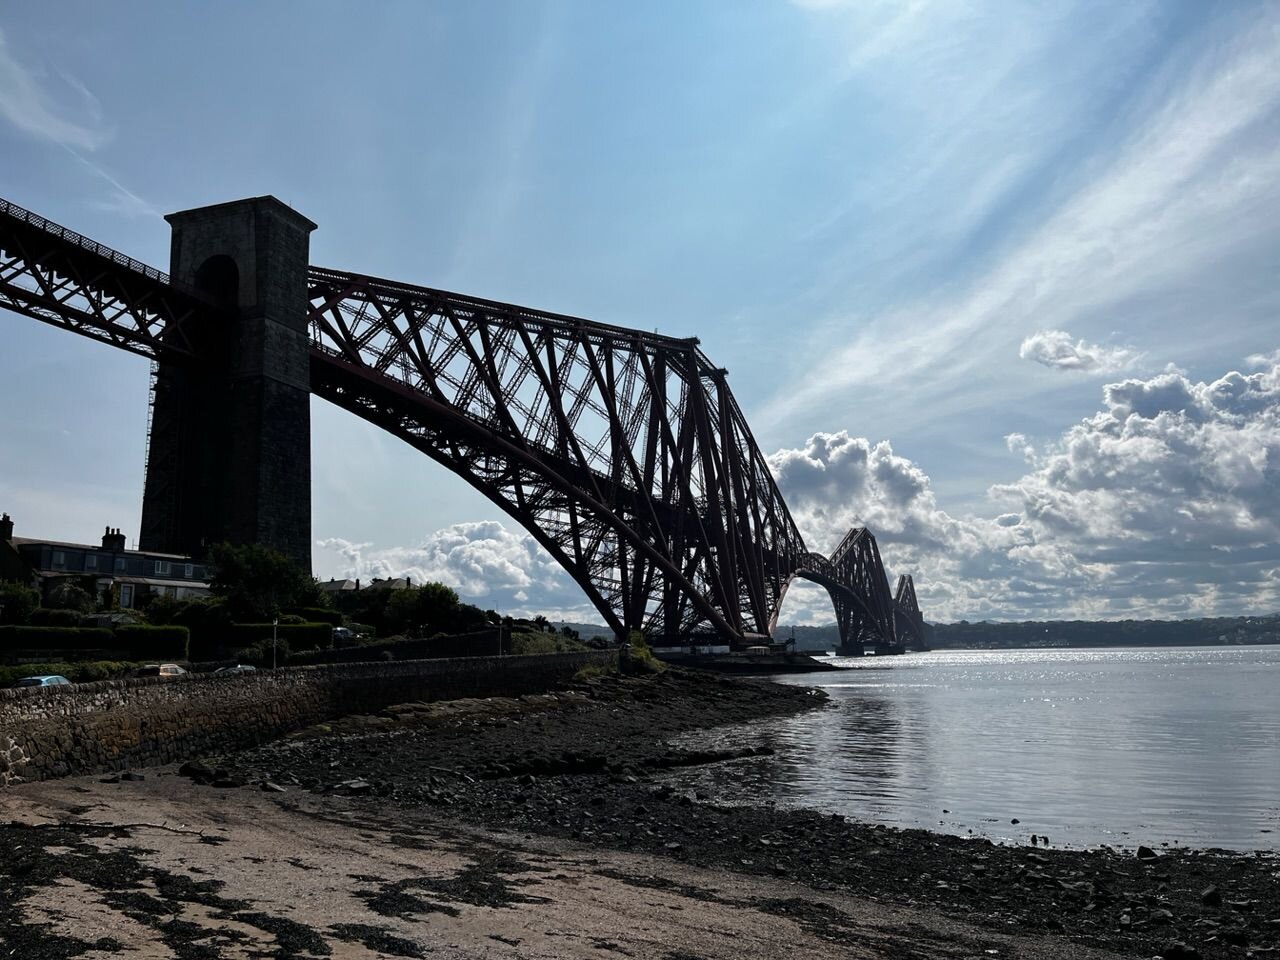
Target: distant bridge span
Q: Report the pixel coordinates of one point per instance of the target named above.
(623, 453)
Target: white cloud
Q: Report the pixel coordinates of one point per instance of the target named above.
(1056, 349)
(1165, 503)
(1256, 360)
(489, 565)
(26, 103)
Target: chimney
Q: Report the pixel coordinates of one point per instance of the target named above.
(113, 540)
(6, 527)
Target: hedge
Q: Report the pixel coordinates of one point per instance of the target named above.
(53, 617)
(86, 672)
(483, 643)
(299, 636)
(64, 638)
(145, 642)
(318, 615)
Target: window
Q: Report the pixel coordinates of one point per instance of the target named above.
(188, 571)
(163, 568)
(91, 561)
(119, 564)
(59, 558)
(126, 595)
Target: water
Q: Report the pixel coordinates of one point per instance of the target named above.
(1118, 746)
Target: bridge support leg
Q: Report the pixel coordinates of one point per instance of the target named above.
(229, 456)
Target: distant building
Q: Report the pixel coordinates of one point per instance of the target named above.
(131, 574)
(394, 583)
(335, 588)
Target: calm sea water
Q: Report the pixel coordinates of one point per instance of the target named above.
(1113, 746)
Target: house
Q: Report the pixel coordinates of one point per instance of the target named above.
(336, 588)
(131, 574)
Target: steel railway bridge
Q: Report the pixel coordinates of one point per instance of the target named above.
(622, 452)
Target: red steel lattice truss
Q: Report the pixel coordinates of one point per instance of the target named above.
(623, 453)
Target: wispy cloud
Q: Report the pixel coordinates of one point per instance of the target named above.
(1193, 181)
(73, 121)
(27, 104)
(1057, 350)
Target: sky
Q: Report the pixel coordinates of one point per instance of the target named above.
(996, 280)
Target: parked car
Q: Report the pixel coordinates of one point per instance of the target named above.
(159, 670)
(49, 680)
(238, 668)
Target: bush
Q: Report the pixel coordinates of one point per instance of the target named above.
(299, 636)
(154, 643)
(162, 611)
(261, 654)
(53, 617)
(69, 595)
(317, 615)
(539, 642)
(17, 603)
(641, 659)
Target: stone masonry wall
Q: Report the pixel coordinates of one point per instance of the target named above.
(117, 724)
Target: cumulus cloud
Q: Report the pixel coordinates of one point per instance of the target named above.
(1256, 360)
(1056, 349)
(488, 564)
(1163, 503)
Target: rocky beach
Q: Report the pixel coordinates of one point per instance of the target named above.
(582, 775)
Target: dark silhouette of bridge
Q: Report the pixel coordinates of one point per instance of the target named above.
(622, 452)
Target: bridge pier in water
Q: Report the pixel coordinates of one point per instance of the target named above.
(229, 451)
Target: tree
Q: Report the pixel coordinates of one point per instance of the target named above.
(69, 595)
(17, 603)
(257, 582)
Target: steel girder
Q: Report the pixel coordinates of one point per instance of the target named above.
(906, 610)
(623, 453)
(62, 278)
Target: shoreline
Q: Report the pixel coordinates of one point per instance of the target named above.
(595, 775)
(585, 768)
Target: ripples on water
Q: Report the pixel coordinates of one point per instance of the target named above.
(1111, 746)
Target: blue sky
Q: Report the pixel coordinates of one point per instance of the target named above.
(940, 247)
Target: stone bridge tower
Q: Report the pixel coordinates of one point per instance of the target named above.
(229, 448)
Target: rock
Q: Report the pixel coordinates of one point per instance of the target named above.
(132, 777)
(269, 787)
(1015, 821)
(1211, 897)
(1235, 936)
(111, 779)
(1146, 853)
(1177, 950)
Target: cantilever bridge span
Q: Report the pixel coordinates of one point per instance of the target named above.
(623, 453)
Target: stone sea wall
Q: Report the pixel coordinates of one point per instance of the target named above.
(117, 724)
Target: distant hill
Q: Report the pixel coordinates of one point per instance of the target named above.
(986, 635)
(585, 630)
(1108, 633)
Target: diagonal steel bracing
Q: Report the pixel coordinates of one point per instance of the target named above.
(624, 453)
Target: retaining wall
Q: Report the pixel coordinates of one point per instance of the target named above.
(117, 724)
